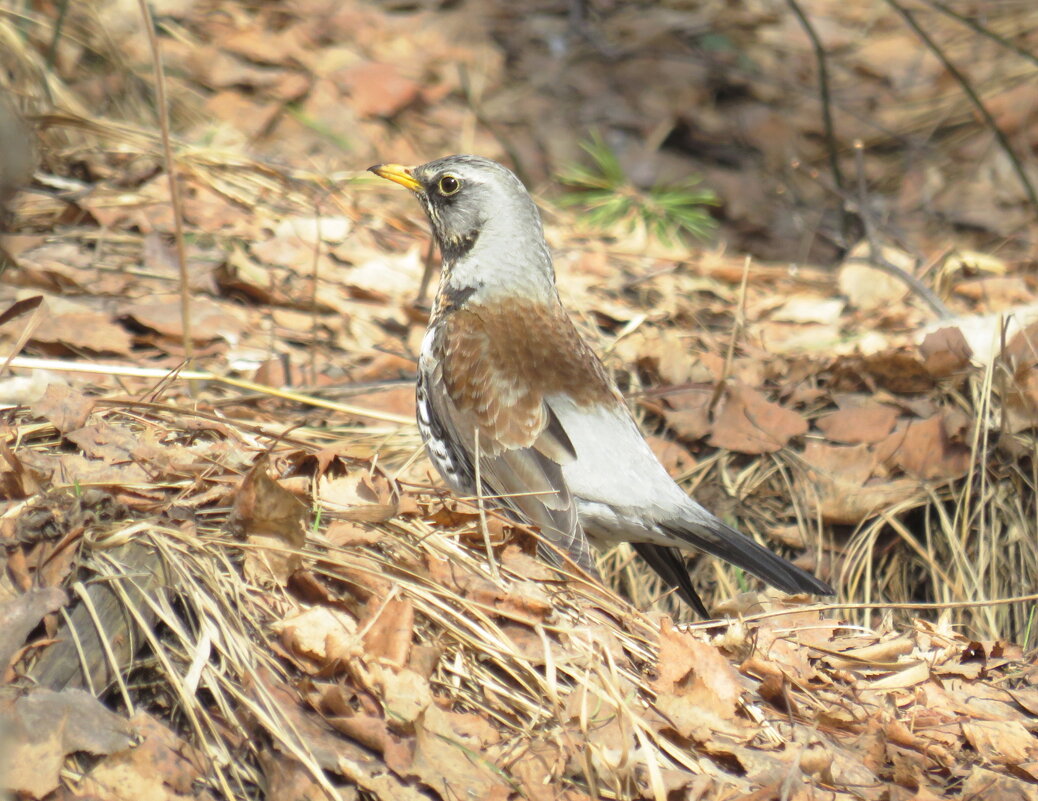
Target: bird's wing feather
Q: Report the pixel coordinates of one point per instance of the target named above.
(492, 409)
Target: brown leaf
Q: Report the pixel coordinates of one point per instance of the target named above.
(749, 423)
(389, 634)
(359, 496)
(82, 330)
(451, 754)
(986, 784)
(838, 481)
(672, 456)
(899, 371)
(20, 615)
(1001, 742)
(923, 450)
(871, 422)
(687, 413)
(209, 320)
(945, 352)
(44, 726)
(272, 520)
(64, 407)
(322, 635)
(160, 765)
(697, 687)
(17, 479)
(376, 89)
(1021, 392)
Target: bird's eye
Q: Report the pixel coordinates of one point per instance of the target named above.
(449, 185)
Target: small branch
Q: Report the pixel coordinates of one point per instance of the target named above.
(876, 258)
(823, 91)
(1003, 142)
(174, 189)
(976, 27)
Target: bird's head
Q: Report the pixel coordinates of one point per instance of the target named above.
(486, 224)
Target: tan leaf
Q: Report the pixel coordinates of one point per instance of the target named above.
(749, 423)
(871, 422)
(945, 352)
(322, 634)
(271, 518)
(838, 481)
(389, 634)
(923, 450)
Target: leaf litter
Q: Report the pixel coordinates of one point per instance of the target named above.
(263, 582)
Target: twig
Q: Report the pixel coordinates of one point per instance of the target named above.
(1003, 142)
(737, 329)
(315, 321)
(174, 189)
(876, 258)
(976, 27)
(27, 363)
(823, 91)
(494, 575)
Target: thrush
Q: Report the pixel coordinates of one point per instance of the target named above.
(506, 380)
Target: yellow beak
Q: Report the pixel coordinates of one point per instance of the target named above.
(398, 174)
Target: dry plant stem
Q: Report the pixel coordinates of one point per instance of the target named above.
(976, 27)
(876, 249)
(171, 171)
(427, 273)
(314, 318)
(910, 20)
(737, 329)
(823, 92)
(483, 516)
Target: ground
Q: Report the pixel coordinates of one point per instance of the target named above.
(229, 570)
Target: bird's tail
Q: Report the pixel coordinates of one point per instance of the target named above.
(725, 542)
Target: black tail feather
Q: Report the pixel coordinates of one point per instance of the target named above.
(670, 565)
(726, 543)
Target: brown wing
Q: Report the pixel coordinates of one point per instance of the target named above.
(495, 364)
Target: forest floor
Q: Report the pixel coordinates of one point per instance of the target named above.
(229, 570)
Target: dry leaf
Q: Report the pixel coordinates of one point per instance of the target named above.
(749, 423)
(871, 422)
(924, 450)
(272, 519)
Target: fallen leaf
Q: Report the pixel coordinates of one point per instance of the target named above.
(64, 408)
(321, 634)
(271, 518)
(871, 422)
(1021, 389)
(451, 753)
(43, 726)
(389, 632)
(749, 423)
(945, 352)
(924, 450)
(987, 784)
(837, 480)
(697, 688)
(21, 615)
(376, 89)
(160, 766)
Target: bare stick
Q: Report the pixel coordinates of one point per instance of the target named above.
(174, 189)
(1003, 142)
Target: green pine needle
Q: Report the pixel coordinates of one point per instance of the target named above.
(667, 212)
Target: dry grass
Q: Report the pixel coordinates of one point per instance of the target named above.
(543, 659)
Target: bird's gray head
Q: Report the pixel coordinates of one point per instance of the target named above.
(487, 226)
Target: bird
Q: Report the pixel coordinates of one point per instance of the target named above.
(509, 391)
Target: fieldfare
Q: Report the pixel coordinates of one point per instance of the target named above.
(505, 375)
